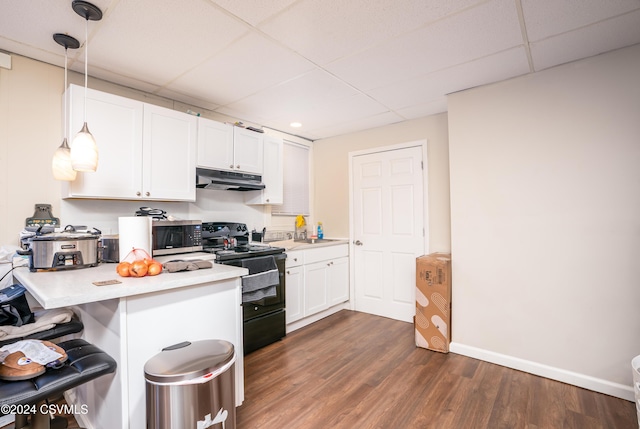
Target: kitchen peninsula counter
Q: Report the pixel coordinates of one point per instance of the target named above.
(134, 320)
(54, 289)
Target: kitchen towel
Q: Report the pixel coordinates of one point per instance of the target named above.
(262, 279)
(134, 233)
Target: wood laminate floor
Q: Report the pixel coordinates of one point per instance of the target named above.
(355, 370)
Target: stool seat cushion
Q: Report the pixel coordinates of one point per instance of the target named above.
(85, 362)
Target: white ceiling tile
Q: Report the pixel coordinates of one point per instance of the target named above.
(493, 68)
(231, 74)
(365, 123)
(254, 11)
(544, 18)
(428, 108)
(336, 111)
(483, 30)
(305, 92)
(587, 41)
(187, 99)
(327, 30)
(336, 65)
(169, 38)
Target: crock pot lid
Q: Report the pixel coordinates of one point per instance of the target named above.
(190, 361)
(58, 236)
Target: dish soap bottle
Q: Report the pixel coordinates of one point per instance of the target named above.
(320, 232)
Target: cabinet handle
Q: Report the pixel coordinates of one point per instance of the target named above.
(231, 166)
(295, 259)
(328, 264)
(138, 194)
(288, 272)
(238, 167)
(358, 243)
(147, 193)
(267, 199)
(255, 308)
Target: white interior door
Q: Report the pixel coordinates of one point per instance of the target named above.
(388, 230)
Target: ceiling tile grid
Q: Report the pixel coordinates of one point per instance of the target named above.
(337, 66)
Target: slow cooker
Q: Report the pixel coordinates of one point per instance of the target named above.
(62, 250)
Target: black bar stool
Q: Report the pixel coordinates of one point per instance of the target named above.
(85, 362)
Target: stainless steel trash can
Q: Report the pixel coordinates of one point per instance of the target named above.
(192, 385)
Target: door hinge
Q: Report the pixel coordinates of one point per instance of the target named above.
(422, 165)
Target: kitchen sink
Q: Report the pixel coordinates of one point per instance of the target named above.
(315, 240)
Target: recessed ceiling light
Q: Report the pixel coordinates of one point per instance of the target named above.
(295, 124)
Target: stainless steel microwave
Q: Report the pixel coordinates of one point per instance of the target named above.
(176, 236)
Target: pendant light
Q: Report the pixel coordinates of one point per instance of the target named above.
(61, 163)
(84, 150)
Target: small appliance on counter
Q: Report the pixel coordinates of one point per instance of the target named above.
(109, 248)
(52, 251)
(171, 237)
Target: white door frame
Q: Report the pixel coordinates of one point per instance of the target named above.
(425, 179)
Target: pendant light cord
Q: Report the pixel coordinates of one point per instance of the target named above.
(66, 129)
(86, 60)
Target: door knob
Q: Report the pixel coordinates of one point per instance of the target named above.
(358, 243)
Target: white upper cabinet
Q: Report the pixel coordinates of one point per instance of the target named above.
(215, 145)
(272, 174)
(145, 152)
(225, 147)
(169, 149)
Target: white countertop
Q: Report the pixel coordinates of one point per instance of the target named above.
(54, 289)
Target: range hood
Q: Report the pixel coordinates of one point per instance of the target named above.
(228, 180)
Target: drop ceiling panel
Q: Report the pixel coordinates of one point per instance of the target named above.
(162, 40)
(366, 123)
(431, 107)
(255, 11)
(587, 41)
(338, 65)
(305, 92)
(545, 18)
(248, 65)
(483, 30)
(324, 31)
(493, 68)
(337, 111)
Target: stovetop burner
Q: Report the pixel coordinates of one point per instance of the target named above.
(216, 237)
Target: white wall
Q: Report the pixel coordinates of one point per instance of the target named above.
(545, 221)
(331, 165)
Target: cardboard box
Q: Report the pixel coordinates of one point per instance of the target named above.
(433, 302)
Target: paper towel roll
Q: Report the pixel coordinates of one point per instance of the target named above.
(134, 232)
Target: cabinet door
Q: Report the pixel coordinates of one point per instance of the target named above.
(215, 144)
(116, 124)
(315, 287)
(247, 150)
(339, 281)
(294, 281)
(272, 174)
(169, 147)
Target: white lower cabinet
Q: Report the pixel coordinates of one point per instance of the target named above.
(316, 279)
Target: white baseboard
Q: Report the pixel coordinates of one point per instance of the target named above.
(315, 317)
(569, 377)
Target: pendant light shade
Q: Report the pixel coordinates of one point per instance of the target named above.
(61, 163)
(84, 150)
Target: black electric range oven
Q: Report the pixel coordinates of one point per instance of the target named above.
(263, 290)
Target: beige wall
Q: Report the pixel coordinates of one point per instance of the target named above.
(331, 174)
(30, 132)
(545, 218)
